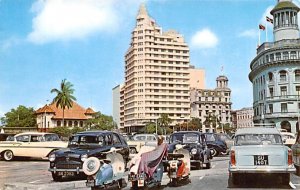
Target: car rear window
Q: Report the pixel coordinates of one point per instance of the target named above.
(258, 139)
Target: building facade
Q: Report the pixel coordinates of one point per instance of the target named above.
(244, 117)
(156, 76)
(50, 116)
(275, 71)
(197, 78)
(116, 92)
(215, 102)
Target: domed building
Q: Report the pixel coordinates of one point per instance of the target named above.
(275, 71)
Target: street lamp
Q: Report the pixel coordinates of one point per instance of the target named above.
(298, 106)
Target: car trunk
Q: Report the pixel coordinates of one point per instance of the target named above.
(263, 155)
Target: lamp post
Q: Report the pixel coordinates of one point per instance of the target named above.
(156, 126)
(298, 107)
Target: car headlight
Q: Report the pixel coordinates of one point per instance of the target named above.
(84, 157)
(51, 157)
(194, 151)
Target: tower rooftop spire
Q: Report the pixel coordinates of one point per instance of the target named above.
(143, 10)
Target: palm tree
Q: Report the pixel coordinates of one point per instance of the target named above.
(164, 121)
(64, 97)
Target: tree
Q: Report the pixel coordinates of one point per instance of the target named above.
(101, 122)
(150, 128)
(64, 97)
(211, 120)
(20, 117)
(164, 121)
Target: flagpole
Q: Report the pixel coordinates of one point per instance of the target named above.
(266, 31)
(258, 37)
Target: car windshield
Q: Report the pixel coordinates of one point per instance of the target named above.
(258, 139)
(52, 137)
(224, 137)
(185, 138)
(84, 140)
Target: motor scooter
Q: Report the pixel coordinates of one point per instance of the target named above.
(146, 168)
(178, 166)
(104, 173)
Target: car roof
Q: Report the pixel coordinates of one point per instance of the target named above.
(180, 132)
(93, 132)
(257, 130)
(33, 133)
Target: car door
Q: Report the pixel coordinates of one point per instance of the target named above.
(117, 142)
(22, 147)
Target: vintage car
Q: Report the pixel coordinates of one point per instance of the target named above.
(137, 141)
(31, 144)
(68, 162)
(216, 144)
(288, 138)
(296, 154)
(259, 150)
(227, 139)
(195, 143)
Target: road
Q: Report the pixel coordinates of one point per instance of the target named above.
(34, 175)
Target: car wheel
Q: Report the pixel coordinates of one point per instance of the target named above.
(214, 152)
(132, 151)
(285, 178)
(198, 165)
(56, 177)
(8, 155)
(207, 165)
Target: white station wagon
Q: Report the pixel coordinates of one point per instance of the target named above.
(31, 144)
(259, 150)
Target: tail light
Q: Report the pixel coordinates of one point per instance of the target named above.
(290, 157)
(232, 158)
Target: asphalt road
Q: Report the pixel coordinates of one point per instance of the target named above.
(23, 174)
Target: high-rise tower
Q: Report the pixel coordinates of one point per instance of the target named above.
(275, 72)
(156, 75)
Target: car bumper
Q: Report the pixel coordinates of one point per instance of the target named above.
(54, 169)
(262, 170)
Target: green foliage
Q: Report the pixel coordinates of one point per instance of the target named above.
(62, 131)
(150, 128)
(164, 122)
(100, 122)
(20, 117)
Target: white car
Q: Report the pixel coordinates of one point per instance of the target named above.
(288, 138)
(259, 150)
(31, 144)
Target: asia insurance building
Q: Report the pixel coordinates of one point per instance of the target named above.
(275, 71)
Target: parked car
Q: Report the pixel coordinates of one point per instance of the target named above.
(228, 140)
(137, 141)
(31, 144)
(296, 154)
(288, 138)
(216, 144)
(195, 143)
(259, 150)
(68, 162)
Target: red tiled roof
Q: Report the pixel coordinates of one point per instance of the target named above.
(76, 112)
(89, 111)
(45, 109)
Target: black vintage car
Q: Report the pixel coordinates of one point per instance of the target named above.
(68, 162)
(216, 144)
(195, 143)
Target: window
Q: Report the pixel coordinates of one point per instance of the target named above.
(278, 56)
(116, 140)
(297, 75)
(285, 55)
(270, 108)
(283, 91)
(282, 75)
(58, 123)
(284, 108)
(293, 55)
(270, 76)
(271, 92)
(23, 138)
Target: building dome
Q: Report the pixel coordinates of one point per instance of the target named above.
(284, 4)
(222, 78)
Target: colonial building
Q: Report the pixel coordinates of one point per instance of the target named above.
(156, 75)
(244, 117)
(275, 71)
(215, 102)
(49, 116)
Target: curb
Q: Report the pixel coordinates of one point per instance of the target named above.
(49, 186)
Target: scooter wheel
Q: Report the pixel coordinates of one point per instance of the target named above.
(174, 182)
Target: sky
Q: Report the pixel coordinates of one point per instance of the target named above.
(43, 42)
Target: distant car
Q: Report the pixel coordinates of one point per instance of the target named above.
(259, 150)
(195, 143)
(296, 154)
(31, 144)
(137, 141)
(288, 138)
(216, 144)
(228, 140)
(68, 162)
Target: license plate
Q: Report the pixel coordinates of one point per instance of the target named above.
(261, 160)
(66, 173)
(90, 183)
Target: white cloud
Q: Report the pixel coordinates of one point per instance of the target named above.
(252, 33)
(57, 20)
(8, 43)
(204, 39)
